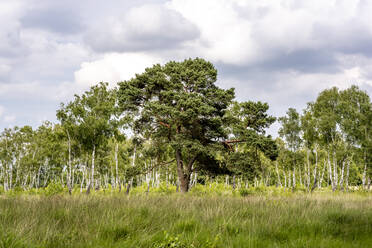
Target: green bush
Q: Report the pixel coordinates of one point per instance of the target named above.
(245, 192)
(53, 189)
(212, 189)
(164, 189)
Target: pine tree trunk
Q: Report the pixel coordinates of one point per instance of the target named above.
(184, 180)
(184, 171)
(177, 186)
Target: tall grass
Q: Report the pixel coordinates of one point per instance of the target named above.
(174, 220)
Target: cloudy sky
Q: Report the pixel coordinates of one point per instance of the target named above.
(279, 51)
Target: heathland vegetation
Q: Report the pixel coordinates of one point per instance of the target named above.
(173, 125)
(172, 129)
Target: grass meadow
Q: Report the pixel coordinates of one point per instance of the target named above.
(157, 220)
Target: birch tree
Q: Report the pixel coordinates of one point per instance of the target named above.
(291, 132)
(91, 117)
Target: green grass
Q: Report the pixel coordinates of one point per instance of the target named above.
(174, 220)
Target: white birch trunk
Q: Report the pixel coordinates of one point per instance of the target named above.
(116, 165)
(277, 172)
(92, 175)
(285, 180)
(347, 176)
(82, 180)
(364, 175)
(315, 179)
(134, 156)
(10, 176)
(308, 169)
(342, 176)
(322, 176)
(69, 164)
(335, 176)
(330, 172)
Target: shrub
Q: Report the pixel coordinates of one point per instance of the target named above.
(245, 192)
(53, 189)
(212, 189)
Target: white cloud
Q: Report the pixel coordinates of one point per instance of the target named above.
(147, 27)
(1, 110)
(4, 69)
(252, 32)
(10, 43)
(113, 68)
(224, 35)
(9, 118)
(6, 118)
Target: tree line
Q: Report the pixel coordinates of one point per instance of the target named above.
(173, 124)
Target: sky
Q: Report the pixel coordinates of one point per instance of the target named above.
(283, 52)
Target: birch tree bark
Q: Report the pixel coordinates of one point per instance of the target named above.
(347, 176)
(277, 172)
(69, 164)
(365, 170)
(116, 165)
(341, 185)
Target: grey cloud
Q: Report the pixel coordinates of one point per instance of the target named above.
(321, 40)
(351, 37)
(307, 61)
(60, 19)
(11, 45)
(149, 27)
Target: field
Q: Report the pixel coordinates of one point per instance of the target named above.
(191, 220)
